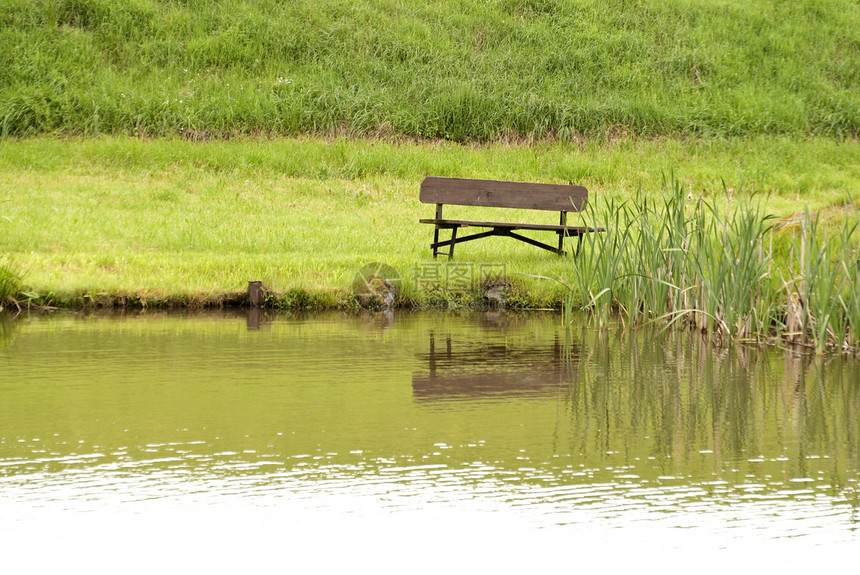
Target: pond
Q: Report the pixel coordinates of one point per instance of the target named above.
(417, 440)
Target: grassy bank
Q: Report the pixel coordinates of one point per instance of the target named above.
(465, 71)
(161, 222)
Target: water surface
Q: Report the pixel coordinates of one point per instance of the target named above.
(233, 442)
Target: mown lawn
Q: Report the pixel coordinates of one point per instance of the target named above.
(170, 220)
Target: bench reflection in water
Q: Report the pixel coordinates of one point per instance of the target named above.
(457, 368)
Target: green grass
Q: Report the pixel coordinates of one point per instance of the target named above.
(122, 220)
(465, 71)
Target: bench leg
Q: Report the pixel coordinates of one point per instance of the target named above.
(560, 243)
(450, 243)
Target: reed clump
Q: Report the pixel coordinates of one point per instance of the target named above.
(722, 266)
(10, 287)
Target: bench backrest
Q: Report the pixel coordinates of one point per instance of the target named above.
(498, 194)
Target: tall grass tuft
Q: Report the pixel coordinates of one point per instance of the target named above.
(10, 286)
(731, 267)
(849, 299)
(597, 281)
(820, 284)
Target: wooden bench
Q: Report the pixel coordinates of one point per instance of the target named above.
(497, 194)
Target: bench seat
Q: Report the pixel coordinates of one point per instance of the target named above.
(498, 194)
(570, 230)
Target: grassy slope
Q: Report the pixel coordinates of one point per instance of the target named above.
(461, 70)
(164, 219)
